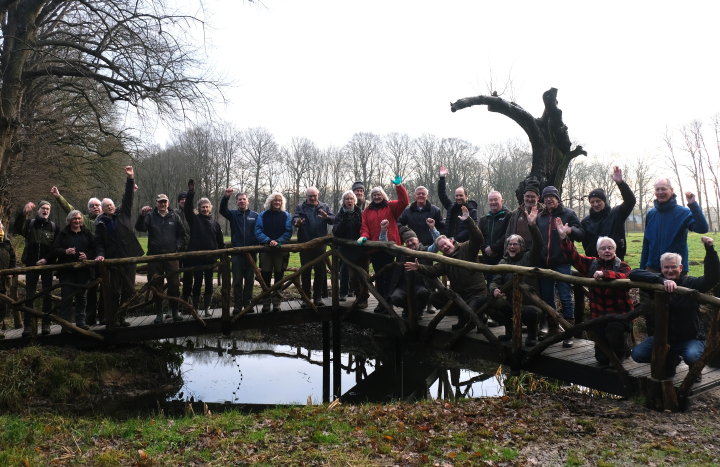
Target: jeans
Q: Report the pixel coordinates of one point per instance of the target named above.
(242, 270)
(564, 291)
(199, 275)
(80, 300)
(320, 271)
(31, 281)
(379, 260)
(690, 350)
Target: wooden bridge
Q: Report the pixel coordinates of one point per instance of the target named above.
(549, 359)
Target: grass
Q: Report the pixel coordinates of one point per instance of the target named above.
(512, 430)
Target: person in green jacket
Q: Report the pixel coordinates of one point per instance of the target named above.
(94, 209)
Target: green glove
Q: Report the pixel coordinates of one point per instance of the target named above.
(361, 240)
(397, 180)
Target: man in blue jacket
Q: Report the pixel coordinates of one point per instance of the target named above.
(667, 225)
(312, 218)
(242, 231)
(273, 228)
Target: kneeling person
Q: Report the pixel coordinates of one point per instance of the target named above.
(603, 300)
(516, 255)
(469, 285)
(685, 333)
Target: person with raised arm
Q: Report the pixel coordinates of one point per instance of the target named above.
(454, 229)
(469, 285)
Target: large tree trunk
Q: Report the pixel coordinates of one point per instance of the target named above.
(549, 139)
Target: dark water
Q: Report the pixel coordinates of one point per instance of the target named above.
(235, 371)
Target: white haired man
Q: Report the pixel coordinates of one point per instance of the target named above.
(273, 228)
(685, 332)
(667, 226)
(312, 218)
(115, 238)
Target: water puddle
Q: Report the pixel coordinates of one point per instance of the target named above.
(238, 372)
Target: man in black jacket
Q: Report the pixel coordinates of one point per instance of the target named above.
(493, 226)
(115, 238)
(606, 222)
(39, 233)
(685, 333)
(166, 234)
(415, 216)
(454, 229)
(312, 218)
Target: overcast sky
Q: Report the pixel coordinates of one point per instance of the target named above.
(328, 69)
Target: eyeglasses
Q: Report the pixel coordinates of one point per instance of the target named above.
(606, 248)
(513, 244)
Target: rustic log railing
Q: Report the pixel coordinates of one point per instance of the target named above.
(658, 387)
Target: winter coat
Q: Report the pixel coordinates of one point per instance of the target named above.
(528, 258)
(165, 234)
(242, 224)
(39, 235)
(83, 241)
(390, 210)
(684, 313)
(453, 227)
(124, 244)
(609, 223)
(552, 254)
(205, 232)
(415, 219)
(493, 227)
(305, 211)
(666, 229)
(347, 225)
(88, 222)
(7, 259)
(273, 225)
(520, 215)
(603, 300)
(180, 212)
(467, 284)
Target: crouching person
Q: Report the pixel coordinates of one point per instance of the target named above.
(398, 288)
(685, 333)
(516, 254)
(603, 300)
(469, 285)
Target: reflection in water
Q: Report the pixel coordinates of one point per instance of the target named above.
(231, 370)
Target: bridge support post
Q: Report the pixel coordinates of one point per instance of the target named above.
(336, 355)
(109, 308)
(579, 312)
(517, 299)
(225, 292)
(661, 390)
(326, 361)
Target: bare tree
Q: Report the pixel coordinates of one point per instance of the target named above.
(365, 152)
(259, 152)
(400, 150)
(672, 161)
(298, 158)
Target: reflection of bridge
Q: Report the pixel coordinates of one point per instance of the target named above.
(575, 365)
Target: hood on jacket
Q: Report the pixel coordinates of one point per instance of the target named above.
(377, 206)
(601, 214)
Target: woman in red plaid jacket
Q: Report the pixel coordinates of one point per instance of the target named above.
(606, 267)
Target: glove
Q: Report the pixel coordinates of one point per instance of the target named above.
(397, 180)
(361, 240)
(278, 245)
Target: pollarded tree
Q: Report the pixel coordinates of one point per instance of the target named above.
(138, 55)
(548, 135)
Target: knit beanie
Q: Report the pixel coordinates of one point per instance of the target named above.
(531, 184)
(406, 233)
(43, 203)
(598, 193)
(182, 195)
(550, 190)
(357, 185)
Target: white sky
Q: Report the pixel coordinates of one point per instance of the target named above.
(328, 69)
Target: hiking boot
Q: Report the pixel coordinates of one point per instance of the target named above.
(123, 322)
(27, 331)
(567, 343)
(160, 318)
(531, 341)
(317, 301)
(82, 325)
(265, 308)
(207, 300)
(91, 321)
(276, 307)
(176, 315)
(45, 327)
(350, 294)
(343, 297)
(460, 324)
(379, 309)
(492, 324)
(362, 305)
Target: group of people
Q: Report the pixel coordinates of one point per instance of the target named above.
(540, 233)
